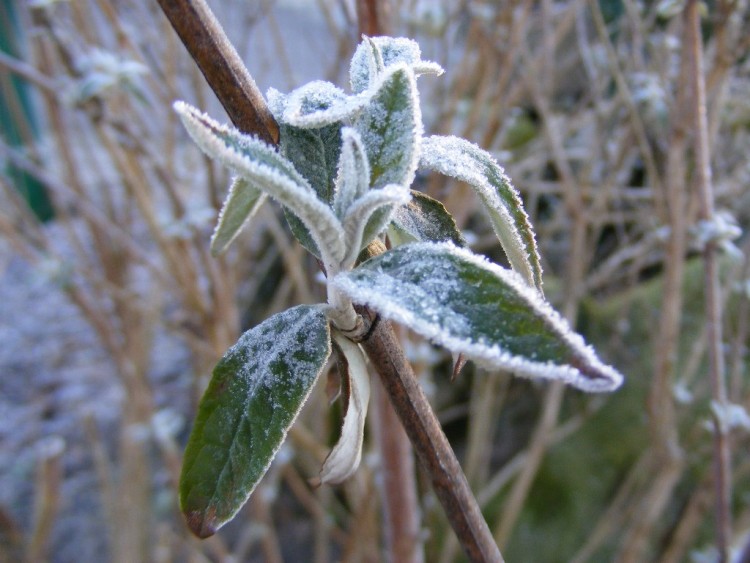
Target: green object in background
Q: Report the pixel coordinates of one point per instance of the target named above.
(18, 120)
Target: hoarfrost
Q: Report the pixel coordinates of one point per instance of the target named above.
(391, 128)
(353, 176)
(361, 211)
(391, 50)
(270, 172)
(426, 287)
(465, 161)
(320, 103)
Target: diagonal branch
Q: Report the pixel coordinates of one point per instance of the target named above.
(235, 88)
(222, 67)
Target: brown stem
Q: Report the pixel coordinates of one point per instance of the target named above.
(206, 42)
(722, 454)
(222, 67)
(401, 512)
(432, 447)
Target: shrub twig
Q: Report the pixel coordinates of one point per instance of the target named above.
(205, 40)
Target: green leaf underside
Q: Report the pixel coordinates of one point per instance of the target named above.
(391, 127)
(460, 159)
(243, 202)
(424, 219)
(255, 394)
(476, 308)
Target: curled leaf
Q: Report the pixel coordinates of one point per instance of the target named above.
(460, 159)
(353, 178)
(345, 456)
(375, 54)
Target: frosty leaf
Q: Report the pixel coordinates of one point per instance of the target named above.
(268, 171)
(465, 161)
(315, 155)
(242, 203)
(255, 394)
(344, 458)
(423, 219)
(369, 215)
(478, 309)
(364, 68)
(391, 128)
(320, 103)
(353, 178)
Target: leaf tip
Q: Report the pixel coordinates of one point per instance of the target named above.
(202, 523)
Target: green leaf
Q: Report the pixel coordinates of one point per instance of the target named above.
(424, 219)
(465, 161)
(478, 309)
(391, 127)
(242, 203)
(270, 172)
(255, 394)
(314, 154)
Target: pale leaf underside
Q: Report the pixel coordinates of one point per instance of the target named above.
(460, 159)
(346, 454)
(242, 203)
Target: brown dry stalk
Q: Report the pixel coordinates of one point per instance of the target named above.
(207, 43)
(722, 454)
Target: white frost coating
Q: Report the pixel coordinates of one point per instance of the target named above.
(229, 225)
(320, 103)
(345, 457)
(434, 319)
(276, 338)
(360, 212)
(391, 50)
(353, 178)
(460, 159)
(270, 172)
(392, 136)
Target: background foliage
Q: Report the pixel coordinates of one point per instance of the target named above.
(113, 314)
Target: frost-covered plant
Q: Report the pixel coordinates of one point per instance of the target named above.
(343, 177)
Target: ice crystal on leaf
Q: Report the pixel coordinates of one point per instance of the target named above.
(476, 308)
(343, 174)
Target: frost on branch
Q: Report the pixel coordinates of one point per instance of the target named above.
(476, 308)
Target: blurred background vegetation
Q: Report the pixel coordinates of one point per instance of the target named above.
(112, 312)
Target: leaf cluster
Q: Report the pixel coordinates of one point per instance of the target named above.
(343, 174)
